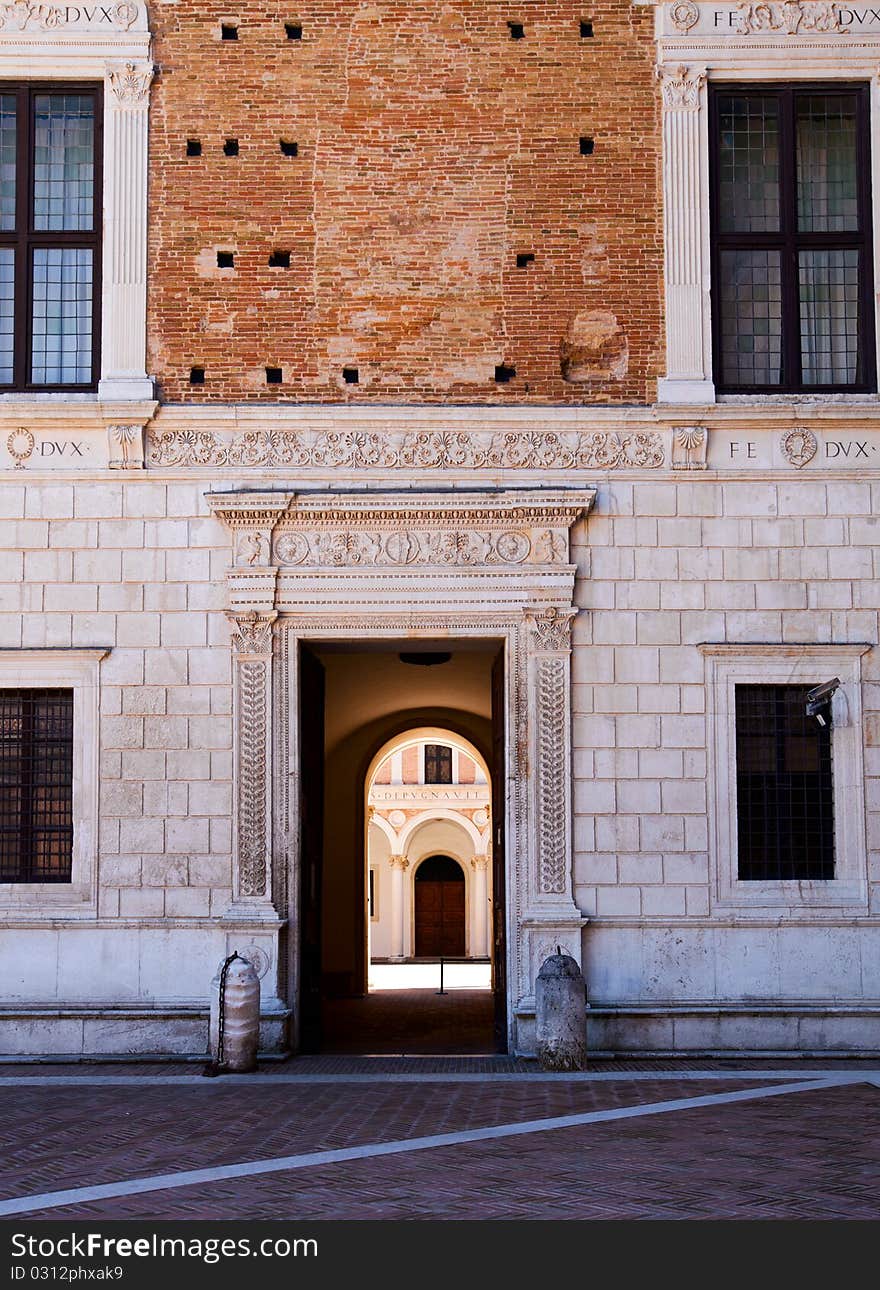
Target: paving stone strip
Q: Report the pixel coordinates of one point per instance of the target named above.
(259, 1081)
(246, 1169)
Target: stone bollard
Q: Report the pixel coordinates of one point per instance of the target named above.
(235, 1049)
(561, 1022)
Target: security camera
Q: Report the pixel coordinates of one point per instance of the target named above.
(819, 698)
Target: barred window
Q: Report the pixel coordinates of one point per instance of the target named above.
(438, 764)
(50, 236)
(36, 778)
(791, 239)
(784, 786)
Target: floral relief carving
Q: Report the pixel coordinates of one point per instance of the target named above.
(551, 684)
(252, 778)
(130, 84)
(681, 89)
(252, 632)
(433, 450)
(552, 629)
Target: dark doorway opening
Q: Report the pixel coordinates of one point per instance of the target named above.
(440, 908)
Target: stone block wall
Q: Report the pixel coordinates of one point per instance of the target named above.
(663, 565)
(138, 568)
(662, 568)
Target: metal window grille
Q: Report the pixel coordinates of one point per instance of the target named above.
(784, 786)
(36, 780)
(438, 764)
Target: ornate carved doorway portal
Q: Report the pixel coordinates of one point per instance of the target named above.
(383, 568)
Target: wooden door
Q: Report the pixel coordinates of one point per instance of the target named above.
(439, 909)
(499, 804)
(311, 815)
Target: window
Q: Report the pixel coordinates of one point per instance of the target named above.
(49, 707)
(36, 784)
(786, 796)
(784, 786)
(791, 239)
(438, 764)
(50, 222)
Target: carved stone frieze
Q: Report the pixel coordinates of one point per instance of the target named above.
(681, 88)
(407, 546)
(689, 446)
(793, 17)
(431, 449)
(22, 16)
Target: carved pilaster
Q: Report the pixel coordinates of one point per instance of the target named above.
(123, 358)
(252, 640)
(550, 648)
(685, 206)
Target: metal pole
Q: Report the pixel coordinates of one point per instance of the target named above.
(441, 990)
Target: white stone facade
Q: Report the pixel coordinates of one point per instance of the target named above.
(634, 563)
(773, 560)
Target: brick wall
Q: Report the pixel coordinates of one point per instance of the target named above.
(432, 150)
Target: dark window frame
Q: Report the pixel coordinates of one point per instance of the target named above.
(439, 757)
(25, 239)
(788, 241)
(38, 764)
(786, 805)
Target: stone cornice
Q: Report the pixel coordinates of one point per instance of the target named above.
(247, 510)
(793, 649)
(557, 507)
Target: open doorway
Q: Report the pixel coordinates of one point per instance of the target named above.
(402, 855)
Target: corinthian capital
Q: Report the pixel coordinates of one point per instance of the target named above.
(129, 84)
(681, 88)
(252, 632)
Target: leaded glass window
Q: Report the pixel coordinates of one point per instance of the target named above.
(791, 234)
(50, 236)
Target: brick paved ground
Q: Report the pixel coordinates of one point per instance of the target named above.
(800, 1155)
(410, 1021)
